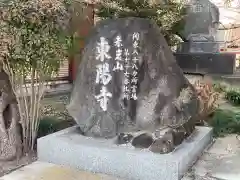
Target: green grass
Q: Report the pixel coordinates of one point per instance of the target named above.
(231, 93)
(233, 96)
(225, 122)
(50, 125)
(219, 87)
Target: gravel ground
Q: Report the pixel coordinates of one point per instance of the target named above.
(9, 166)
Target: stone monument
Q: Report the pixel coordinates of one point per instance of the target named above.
(129, 86)
(200, 54)
(135, 110)
(201, 28)
(202, 20)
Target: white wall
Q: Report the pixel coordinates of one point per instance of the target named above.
(228, 15)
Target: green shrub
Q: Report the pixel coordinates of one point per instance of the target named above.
(218, 87)
(169, 16)
(225, 122)
(34, 41)
(233, 96)
(50, 125)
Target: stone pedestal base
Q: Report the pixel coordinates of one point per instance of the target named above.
(68, 147)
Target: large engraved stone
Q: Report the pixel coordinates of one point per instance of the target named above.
(10, 132)
(165, 102)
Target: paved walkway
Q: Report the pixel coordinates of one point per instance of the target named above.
(220, 162)
(46, 171)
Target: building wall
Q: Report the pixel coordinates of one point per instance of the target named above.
(81, 24)
(82, 28)
(229, 18)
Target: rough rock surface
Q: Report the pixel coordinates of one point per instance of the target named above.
(10, 136)
(166, 102)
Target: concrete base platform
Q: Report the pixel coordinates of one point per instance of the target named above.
(47, 171)
(68, 147)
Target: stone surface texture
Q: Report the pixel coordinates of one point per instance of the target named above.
(69, 148)
(10, 135)
(166, 101)
(47, 171)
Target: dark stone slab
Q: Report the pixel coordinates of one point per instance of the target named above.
(144, 90)
(207, 63)
(210, 47)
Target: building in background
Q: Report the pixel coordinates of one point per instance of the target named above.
(211, 27)
(201, 25)
(82, 22)
(202, 52)
(229, 26)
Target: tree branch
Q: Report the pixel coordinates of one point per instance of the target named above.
(234, 26)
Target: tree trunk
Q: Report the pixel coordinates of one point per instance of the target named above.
(10, 128)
